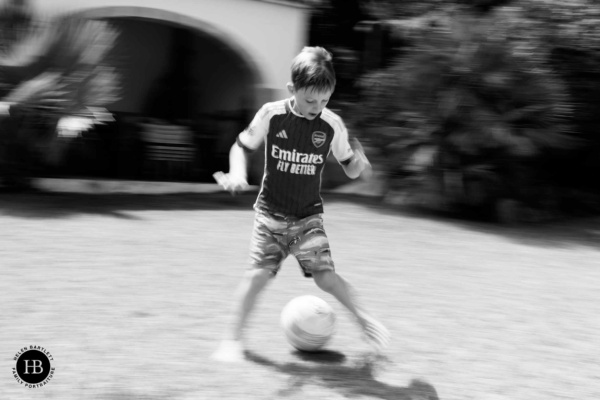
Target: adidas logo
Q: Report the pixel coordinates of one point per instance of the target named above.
(282, 135)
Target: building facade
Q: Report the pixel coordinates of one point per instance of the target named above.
(208, 64)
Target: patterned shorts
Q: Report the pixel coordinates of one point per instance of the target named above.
(275, 237)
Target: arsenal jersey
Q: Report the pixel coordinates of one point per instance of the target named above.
(296, 150)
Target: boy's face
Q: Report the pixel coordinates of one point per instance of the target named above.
(310, 102)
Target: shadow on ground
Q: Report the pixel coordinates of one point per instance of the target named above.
(39, 204)
(349, 381)
(42, 204)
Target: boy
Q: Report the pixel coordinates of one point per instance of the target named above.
(299, 133)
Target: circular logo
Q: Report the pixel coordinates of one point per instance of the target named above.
(33, 367)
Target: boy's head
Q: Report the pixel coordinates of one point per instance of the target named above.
(313, 68)
(313, 81)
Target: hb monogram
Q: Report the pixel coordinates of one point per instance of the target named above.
(36, 366)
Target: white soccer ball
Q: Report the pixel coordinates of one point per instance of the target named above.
(308, 322)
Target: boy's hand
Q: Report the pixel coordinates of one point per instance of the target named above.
(231, 183)
(359, 153)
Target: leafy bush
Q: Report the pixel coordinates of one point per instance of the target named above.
(467, 114)
(53, 71)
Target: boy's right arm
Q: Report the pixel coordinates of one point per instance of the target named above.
(247, 141)
(236, 179)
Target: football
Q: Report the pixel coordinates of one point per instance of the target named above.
(308, 322)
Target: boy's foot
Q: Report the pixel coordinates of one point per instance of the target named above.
(230, 351)
(377, 334)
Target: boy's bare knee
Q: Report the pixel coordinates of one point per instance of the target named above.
(258, 275)
(325, 280)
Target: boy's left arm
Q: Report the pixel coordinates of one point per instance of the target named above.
(359, 164)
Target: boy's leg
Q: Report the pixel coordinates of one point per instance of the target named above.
(311, 249)
(253, 282)
(329, 281)
(231, 349)
(266, 254)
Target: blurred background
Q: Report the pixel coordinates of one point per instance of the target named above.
(486, 108)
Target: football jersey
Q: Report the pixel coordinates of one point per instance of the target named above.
(296, 151)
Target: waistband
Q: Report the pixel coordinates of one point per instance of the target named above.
(283, 217)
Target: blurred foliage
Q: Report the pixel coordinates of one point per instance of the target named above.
(15, 16)
(479, 105)
(460, 109)
(52, 69)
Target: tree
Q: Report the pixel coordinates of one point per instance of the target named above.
(55, 78)
(462, 114)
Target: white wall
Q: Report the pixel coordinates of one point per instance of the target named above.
(267, 34)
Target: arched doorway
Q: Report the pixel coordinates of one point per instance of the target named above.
(176, 71)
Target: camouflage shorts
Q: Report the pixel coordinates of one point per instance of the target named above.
(275, 237)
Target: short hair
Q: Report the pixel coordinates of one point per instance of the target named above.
(313, 67)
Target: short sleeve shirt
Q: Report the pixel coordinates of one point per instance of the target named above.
(296, 150)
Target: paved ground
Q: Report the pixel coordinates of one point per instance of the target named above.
(130, 292)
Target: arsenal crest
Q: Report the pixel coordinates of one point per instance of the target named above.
(318, 138)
